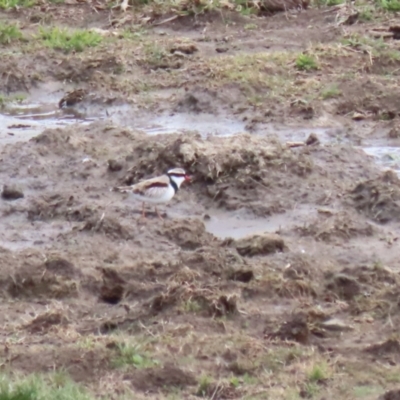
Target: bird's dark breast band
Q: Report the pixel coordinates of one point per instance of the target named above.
(173, 184)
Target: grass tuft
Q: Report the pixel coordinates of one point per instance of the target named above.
(133, 355)
(8, 4)
(330, 92)
(389, 5)
(63, 39)
(36, 388)
(9, 33)
(305, 62)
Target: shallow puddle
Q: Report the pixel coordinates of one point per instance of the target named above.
(386, 156)
(236, 225)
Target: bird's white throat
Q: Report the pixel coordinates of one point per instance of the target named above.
(178, 180)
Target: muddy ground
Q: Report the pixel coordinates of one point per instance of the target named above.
(274, 273)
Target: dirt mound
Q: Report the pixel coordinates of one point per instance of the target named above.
(76, 69)
(28, 277)
(80, 364)
(232, 172)
(390, 347)
(59, 205)
(154, 379)
(201, 300)
(379, 199)
(214, 260)
(12, 78)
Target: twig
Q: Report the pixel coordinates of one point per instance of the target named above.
(295, 144)
(165, 21)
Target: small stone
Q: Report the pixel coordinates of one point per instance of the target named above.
(11, 193)
(358, 116)
(394, 133)
(312, 139)
(221, 49)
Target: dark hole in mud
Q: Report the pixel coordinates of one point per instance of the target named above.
(242, 276)
(115, 165)
(108, 327)
(112, 294)
(11, 193)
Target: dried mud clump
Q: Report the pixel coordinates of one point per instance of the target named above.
(214, 260)
(161, 378)
(389, 349)
(342, 225)
(76, 69)
(195, 299)
(44, 322)
(379, 199)
(391, 395)
(109, 226)
(12, 79)
(189, 234)
(344, 286)
(34, 281)
(296, 329)
(61, 266)
(375, 275)
(264, 244)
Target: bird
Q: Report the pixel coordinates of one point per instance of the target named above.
(160, 189)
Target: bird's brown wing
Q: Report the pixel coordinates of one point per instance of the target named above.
(143, 187)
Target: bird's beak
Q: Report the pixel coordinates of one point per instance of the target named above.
(188, 178)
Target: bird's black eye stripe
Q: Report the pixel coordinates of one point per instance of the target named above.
(178, 175)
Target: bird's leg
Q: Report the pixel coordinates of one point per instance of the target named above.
(158, 214)
(143, 211)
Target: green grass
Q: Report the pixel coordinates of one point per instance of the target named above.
(305, 62)
(66, 40)
(133, 355)
(330, 92)
(7, 4)
(57, 387)
(361, 392)
(9, 33)
(318, 373)
(204, 385)
(389, 5)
